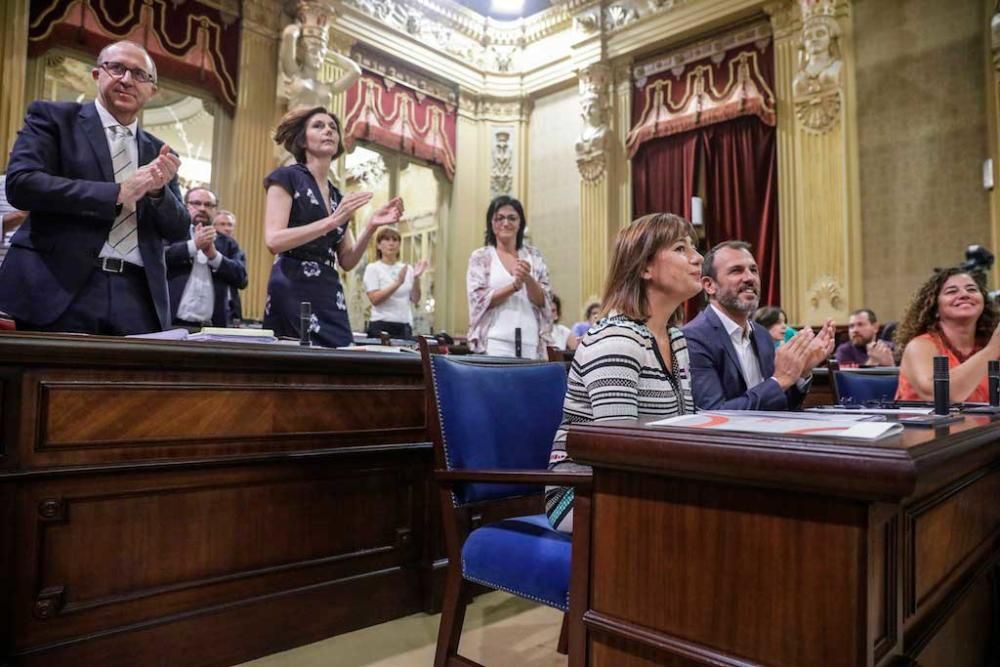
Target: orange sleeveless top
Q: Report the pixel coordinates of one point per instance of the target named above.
(905, 392)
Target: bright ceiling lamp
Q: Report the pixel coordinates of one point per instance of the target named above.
(507, 6)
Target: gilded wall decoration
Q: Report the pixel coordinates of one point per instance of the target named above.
(595, 137)
(304, 48)
(502, 169)
(826, 289)
(816, 89)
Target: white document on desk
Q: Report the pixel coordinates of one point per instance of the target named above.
(748, 422)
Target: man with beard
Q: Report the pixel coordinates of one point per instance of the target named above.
(222, 255)
(734, 365)
(103, 198)
(863, 348)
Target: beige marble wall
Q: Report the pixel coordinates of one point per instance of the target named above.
(922, 140)
(553, 206)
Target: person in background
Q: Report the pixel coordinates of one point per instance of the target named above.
(306, 225)
(103, 199)
(391, 287)
(774, 320)
(508, 287)
(863, 347)
(590, 314)
(634, 362)
(734, 365)
(225, 224)
(951, 316)
(219, 252)
(562, 337)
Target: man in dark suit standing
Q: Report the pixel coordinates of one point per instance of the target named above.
(103, 196)
(221, 254)
(225, 224)
(734, 365)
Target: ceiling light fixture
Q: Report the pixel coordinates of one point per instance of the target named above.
(507, 6)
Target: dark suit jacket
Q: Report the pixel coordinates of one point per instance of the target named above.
(716, 379)
(232, 273)
(60, 170)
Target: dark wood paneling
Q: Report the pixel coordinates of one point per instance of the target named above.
(947, 529)
(203, 505)
(964, 640)
(743, 570)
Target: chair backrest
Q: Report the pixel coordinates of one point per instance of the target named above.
(495, 416)
(860, 386)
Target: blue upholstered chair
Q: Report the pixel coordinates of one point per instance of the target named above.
(859, 386)
(492, 425)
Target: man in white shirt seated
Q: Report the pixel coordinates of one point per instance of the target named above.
(734, 365)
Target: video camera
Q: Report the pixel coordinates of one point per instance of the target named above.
(977, 258)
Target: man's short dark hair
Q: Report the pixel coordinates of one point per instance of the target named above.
(708, 263)
(867, 311)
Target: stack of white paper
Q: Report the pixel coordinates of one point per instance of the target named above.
(751, 422)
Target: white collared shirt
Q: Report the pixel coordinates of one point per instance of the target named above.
(742, 343)
(107, 122)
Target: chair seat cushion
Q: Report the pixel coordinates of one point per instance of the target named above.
(523, 556)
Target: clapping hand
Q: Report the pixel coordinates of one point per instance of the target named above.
(351, 202)
(880, 354)
(790, 358)
(204, 240)
(419, 268)
(388, 214)
(150, 178)
(820, 348)
(401, 276)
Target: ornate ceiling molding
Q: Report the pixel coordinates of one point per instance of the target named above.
(714, 48)
(395, 71)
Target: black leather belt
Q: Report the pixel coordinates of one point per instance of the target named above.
(115, 265)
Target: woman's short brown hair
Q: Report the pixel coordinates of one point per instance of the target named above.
(635, 247)
(383, 233)
(291, 131)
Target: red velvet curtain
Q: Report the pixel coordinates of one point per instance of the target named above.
(742, 176)
(663, 175)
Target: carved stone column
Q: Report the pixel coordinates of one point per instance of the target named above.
(596, 157)
(817, 160)
(250, 154)
(13, 62)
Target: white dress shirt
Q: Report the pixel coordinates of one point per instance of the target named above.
(749, 363)
(107, 122)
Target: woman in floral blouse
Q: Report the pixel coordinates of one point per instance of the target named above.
(305, 225)
(508, 288)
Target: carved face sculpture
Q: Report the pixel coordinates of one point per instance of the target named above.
(313, 52)
(817, 36)
(591, 110)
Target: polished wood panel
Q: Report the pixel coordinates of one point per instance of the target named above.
(177, 503)
(734, 549)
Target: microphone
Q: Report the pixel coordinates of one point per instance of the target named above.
(942, 387)
(993, 371)
(305, 321)
(517, 342)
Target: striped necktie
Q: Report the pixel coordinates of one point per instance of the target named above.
(123, 236)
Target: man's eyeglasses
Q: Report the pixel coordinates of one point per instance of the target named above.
(201, 204)
(118, 70)
(512, 218)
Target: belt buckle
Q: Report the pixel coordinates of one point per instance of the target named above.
(112, 264)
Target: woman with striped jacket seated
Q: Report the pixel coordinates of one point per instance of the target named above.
(634, 361)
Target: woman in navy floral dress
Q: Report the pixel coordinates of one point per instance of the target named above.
(305, 225)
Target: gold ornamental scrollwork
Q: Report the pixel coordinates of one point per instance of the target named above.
(826, 289)
(816, 89)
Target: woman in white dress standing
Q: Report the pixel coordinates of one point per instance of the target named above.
(508, 288)
(391, 287)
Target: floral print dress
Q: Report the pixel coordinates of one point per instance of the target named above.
(308, 272)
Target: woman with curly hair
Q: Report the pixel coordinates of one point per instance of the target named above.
(950, 315)
(306, 226)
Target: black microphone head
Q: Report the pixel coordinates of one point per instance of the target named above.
(305, 309)
(993, 366)
(940, 367)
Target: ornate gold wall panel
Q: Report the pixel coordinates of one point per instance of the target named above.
(13, 64)
(250, 154)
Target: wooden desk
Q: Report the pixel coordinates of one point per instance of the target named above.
(728, 549)
(203, 504)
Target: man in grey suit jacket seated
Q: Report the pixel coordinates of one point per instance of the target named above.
(734, 365)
